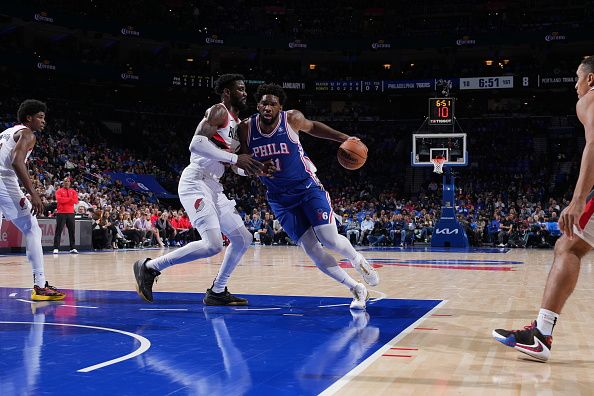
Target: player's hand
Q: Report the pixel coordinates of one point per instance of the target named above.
(36, 205)
(249, 164)
(354, 138)
(269, 168)
(570, 216)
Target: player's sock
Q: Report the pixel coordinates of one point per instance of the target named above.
(32, 233)
(324, 261)
(211, 244)
(546, 320)
(240, 240)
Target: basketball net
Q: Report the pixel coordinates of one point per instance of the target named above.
(438, 164)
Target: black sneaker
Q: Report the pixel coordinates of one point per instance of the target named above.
(222, 298)
(529, 341)
(145, 277)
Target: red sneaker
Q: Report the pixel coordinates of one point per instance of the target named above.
(47, 293)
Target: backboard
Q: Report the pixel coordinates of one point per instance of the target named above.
(427, 146)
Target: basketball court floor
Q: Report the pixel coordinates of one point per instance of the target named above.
(427, 329)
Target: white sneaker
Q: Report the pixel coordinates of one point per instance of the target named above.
(369, 274)
(56, 251)
(73, 251)
(361, 296)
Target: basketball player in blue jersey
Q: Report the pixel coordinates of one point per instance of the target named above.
(200, 192)
(294, 193)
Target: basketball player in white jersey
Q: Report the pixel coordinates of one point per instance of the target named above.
(200, 192)
(577, 224)
(16, 144)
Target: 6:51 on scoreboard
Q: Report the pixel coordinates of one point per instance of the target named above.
(441, 111)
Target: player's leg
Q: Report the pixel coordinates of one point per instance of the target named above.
(201, 209)
(240, 239)
(17, 209)
(29, 227)
(536, 339)
(319, 212)
(328, 265)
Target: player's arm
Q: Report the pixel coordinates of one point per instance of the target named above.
(314, 128)
(26, 142)
(242, 134)
(201, 145)
(571, 215)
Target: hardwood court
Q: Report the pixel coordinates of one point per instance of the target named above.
(448, 352)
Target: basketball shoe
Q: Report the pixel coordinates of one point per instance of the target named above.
(369, 274)
(529, 341)
(47, 293)
(361, 295)
(145, 278)
(222, 298)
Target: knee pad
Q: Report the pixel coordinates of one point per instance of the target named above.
(328, 235)
(213, 239)
(27, 225)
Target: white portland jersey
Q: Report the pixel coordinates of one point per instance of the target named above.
(7, 145)
(226, 136)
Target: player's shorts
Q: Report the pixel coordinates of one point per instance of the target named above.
(206, 204)
(13, 202)
(587, 223)
(297, 212)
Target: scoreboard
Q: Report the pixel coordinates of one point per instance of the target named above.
(191, 80)
(338, 86)
(441, 111)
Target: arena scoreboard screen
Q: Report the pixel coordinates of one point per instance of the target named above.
(441, 111)
(191, 80)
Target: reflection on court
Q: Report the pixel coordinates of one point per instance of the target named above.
(278, 345)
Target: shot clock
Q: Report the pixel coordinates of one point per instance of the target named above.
(441, 111)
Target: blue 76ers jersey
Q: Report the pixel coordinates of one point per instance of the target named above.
(295, 171)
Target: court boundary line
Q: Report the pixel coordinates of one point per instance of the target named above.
(348, 377)
(145, 344)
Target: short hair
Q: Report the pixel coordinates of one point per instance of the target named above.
(588, 63)
(30, 107)
(271, 89)
(225, 81)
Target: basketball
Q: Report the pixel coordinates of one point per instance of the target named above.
(352, 154)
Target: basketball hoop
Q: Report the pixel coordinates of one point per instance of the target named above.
(438, 164)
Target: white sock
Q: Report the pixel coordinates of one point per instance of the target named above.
(324, 261)
(240, 240)
(211, 244)
(29, 227)
(546, 320)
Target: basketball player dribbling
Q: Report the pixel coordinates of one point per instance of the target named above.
(16, 144)
(577, 224)
(201, 194)
(294, 193)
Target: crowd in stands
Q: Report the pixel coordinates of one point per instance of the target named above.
(519, 173)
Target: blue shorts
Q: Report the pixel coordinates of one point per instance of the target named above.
(297, 212)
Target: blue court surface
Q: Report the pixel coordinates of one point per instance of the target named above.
(112, 343)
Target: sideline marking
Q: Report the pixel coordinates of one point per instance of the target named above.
(335, 387)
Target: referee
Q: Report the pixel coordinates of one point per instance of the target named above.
(66, 199)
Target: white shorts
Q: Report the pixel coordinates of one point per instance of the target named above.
(207, 206)
(13, 202)
(587, 224)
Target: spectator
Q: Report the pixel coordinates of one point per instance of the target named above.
(66, 198)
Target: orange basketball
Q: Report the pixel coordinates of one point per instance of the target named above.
(352, 154)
